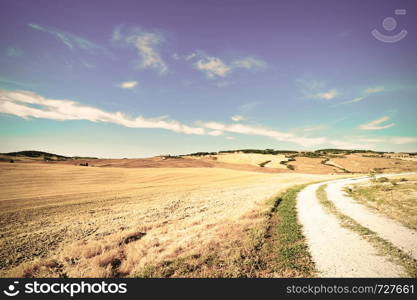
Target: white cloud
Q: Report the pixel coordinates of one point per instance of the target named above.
(215, 132)
(316, 89)
(18, 103)
(191, 56)
(260, 131)
(349, 145)
(250, 63)
(374, 90)
(27, 104)
(237, 118)
(375, 124)
(213, 67)
(365, 94)
(329, 95)
(128, 84)
(147, 45)
(357, 99)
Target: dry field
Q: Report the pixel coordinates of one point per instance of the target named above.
(356, 163)
(313, 166)
(173, 162)
(252, 159)
(64, 220)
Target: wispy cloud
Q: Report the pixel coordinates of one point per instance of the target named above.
(374, 90)
(128, 84)
(316, 89)
(72, 41)
(215, 132)
(237, 118)
(260, 131)
(376, 124)
(250, 63)
(365, 94)
(147, 45)
(213, 67)
(354, 100)
(19, 103)
(329, 95)
(349, 145)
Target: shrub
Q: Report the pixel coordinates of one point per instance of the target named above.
(383, 179)
(264, 163)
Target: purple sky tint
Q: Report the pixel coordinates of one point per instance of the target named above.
(184, 76)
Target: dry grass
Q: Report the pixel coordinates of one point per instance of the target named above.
(271, 245)
(356, 163)
(271, 161)
(313, 166)
(67, 221)
(394, 197)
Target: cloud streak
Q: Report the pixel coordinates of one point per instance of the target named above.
(374, 90)
(260, 131)
(237, 118)
(376, 124)
(72, 41)
(128, 84)
(20, 103)
(26, 104)
(329, 95)
(315, 89)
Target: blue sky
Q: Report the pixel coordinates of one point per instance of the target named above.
(143, 78)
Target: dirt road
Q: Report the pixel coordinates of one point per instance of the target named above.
(340, 252)
(337, 251)
(388, 229)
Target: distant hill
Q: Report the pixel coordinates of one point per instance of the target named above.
(44, 155)
(32, 153)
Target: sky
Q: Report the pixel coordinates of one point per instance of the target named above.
(143, 78)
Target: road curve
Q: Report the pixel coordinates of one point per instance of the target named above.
(337, 251)
(400, 236)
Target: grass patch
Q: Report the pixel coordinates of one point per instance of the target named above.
(275, 248)
(383, 246)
